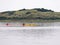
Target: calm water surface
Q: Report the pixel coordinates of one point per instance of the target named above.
(19, 24)
(43, 36)
(50, 36)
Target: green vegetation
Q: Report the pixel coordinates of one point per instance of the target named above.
(30, 14)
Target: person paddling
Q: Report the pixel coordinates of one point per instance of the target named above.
(7, 24)
(23, 24)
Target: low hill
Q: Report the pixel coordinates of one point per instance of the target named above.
(30, 14)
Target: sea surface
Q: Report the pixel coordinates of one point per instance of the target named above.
(49, 35)
(20, 24)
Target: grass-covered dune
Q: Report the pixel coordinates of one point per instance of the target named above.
(30, 14)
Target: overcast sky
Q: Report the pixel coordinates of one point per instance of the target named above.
(20, 4)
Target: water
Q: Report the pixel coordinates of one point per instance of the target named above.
(45, 34)
(19, 24)
(41, 36)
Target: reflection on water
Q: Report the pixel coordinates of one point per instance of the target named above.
(27, 32)
(30, 37)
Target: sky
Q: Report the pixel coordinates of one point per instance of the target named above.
(8, 5)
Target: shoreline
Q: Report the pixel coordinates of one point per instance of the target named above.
(30, 21)
(28, 24)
